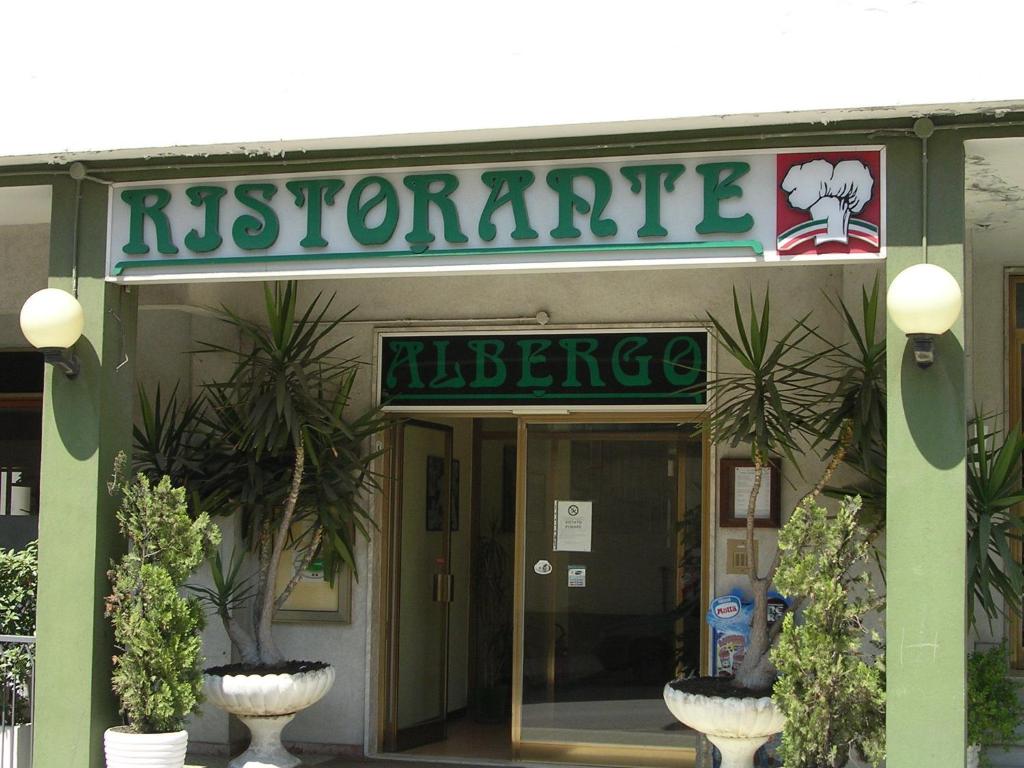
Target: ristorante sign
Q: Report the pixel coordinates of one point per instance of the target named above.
(602, 213)
(556, 369)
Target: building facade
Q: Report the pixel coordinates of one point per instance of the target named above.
(535, 314)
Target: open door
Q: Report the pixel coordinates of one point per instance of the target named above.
(422, 586)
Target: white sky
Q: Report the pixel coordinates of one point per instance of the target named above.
(83, 76)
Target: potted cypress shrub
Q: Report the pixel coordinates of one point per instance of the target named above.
(830, 691)
(18, 578)
(156, 674)
(272, 441)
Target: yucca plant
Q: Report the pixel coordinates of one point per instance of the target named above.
(993, 522)
(274, 441)
(772, 404)
(855, 373)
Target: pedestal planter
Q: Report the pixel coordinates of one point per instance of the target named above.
(16, 746)
(125, 749)
(736, 726)
(266, 703)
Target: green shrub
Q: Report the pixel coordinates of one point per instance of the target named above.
(157, 673)
(18, 576)
(833, 698)
(993, 709)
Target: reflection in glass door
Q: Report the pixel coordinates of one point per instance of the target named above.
(611, 584)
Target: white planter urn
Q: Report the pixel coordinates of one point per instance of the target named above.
(266, 704)
(738, 727)
(973, 755)
(125, 749)
(16, 746)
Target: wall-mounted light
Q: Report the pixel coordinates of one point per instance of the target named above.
(52, 320)
(924, 301)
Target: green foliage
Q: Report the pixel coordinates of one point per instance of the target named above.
(236, 446)
(855, 374)
(767, 404)
(993, 709)
(18, 577)
(832, 697)
(156, 630)
(993, 523)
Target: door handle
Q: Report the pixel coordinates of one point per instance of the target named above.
(444, 587)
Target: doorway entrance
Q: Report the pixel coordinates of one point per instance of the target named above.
(548, 578)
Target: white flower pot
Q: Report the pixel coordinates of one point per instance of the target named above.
(738, 727)
(16, 746)
(973, 755)
(125, 749)
(266, 704)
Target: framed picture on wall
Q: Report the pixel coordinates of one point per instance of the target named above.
(314, 597)
(735, 483)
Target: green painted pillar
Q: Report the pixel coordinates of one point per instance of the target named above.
(926, 517)
(85, 422)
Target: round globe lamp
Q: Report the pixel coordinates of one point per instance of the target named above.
(52, 320)
(924, 301)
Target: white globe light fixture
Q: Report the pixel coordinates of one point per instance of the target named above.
(924, 301)
(52, 320)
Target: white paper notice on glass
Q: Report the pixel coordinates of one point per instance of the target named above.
(743, 484)
(573, 526)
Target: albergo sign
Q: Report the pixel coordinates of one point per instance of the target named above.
(547, 368)
(597, 213)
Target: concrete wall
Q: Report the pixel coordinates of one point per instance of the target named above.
(24, 261)
(663, 296)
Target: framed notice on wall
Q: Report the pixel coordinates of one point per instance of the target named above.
(735, 483)
(315, 597)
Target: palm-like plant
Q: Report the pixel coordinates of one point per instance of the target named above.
(787, 399)
(994, 491)
(771, 404)
(274, 441)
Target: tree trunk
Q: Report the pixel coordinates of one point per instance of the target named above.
(266, 610)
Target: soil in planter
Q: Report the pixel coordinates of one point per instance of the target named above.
(720, 687)
(284, 668)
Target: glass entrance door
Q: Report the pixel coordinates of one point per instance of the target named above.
(610, 605)
(422, 547)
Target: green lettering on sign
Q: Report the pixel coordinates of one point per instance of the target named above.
(483, 357)
(562, 181)
(407, 354)
(440, 380)
(677, 370)
(580, 348)
(647, 178)
(423, 196)
(623, 352)
(209, 198)
(139, 209)
(716, 190)
(255, 233)
(359, 211)
(532, 349)
(317, 192)
(516, 183)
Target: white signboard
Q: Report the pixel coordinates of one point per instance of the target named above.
(573, 526)
(744, 483)
(743, 206)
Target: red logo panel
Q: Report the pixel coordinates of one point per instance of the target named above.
(829, 203)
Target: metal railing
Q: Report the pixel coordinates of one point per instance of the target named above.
(17, 699)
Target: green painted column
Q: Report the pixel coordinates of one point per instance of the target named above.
(85, 422)
(926, 517)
